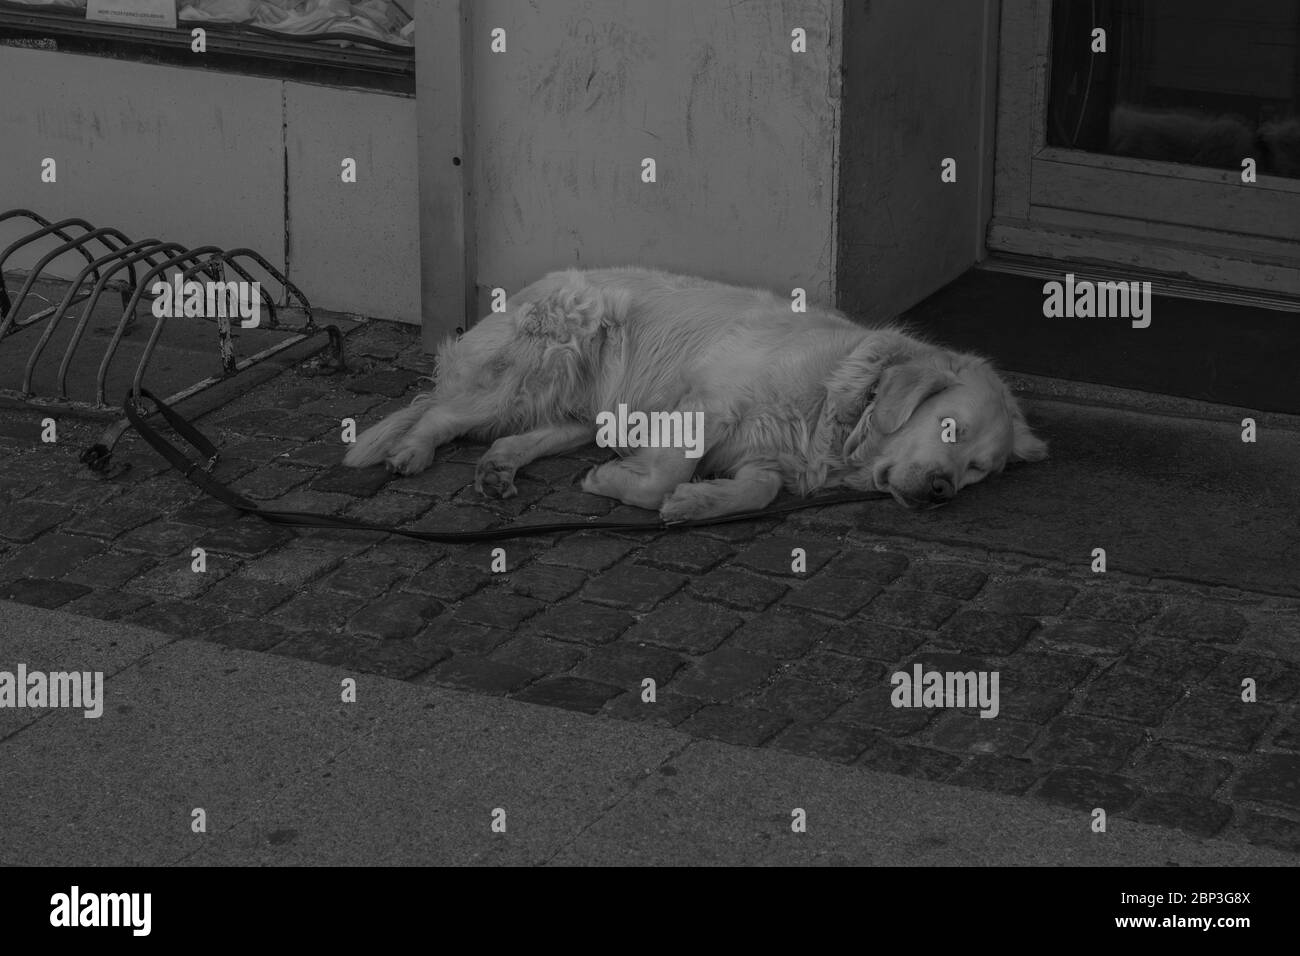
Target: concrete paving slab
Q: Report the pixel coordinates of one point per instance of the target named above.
(193, 725)
(424, 787)
(411, 774)
(287, 773)
(715, 804)
(47, 642)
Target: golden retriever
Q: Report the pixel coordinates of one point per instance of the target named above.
(797, 400)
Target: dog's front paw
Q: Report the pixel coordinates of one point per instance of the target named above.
(409, 458)
(495, 479)
(688, 502)
(369, 449)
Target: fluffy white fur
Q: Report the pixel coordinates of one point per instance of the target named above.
(805, 401)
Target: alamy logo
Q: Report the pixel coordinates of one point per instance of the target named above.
(102, 909)
(77, 689)
(1085, 299)
(198, 300)
(923, 688)
(624, 429)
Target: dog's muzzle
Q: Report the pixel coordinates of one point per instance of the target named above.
(939, 489)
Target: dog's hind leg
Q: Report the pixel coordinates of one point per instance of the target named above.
(495, 473)
(752, 488)
(515, 372)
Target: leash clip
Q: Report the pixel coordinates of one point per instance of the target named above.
(97, 458)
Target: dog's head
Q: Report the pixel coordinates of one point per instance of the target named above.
(935, 425)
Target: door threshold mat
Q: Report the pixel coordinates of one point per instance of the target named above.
(1209, 351)
(1165, 497)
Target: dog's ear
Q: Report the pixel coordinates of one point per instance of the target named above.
(902, 389)
(850, 387)
(1025, 445)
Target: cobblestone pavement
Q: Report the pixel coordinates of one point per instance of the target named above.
(1116, 691)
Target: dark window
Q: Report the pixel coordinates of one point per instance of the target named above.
(1200, 82)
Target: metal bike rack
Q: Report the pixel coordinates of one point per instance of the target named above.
(121, 259)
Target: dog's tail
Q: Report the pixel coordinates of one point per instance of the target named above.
(374, 444)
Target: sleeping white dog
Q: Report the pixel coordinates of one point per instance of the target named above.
(798, 400)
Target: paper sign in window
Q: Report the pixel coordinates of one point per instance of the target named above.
(140, 13)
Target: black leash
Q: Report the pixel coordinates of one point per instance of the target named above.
(199, 473)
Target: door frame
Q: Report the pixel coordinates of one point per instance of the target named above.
(444, 124)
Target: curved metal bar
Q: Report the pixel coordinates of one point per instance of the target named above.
(26, 214)
(125, 240)
(157, 327)
(61, 309)
(156, 246)
(289, 287)
(123, 253)
(56, 229)
(157, 249)
(206, 265)
(49, 227)
(12, 318)
(127, 314)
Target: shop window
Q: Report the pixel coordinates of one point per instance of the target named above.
(1197, 82)
(367, 43)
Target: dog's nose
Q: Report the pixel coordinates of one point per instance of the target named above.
(941, 489)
